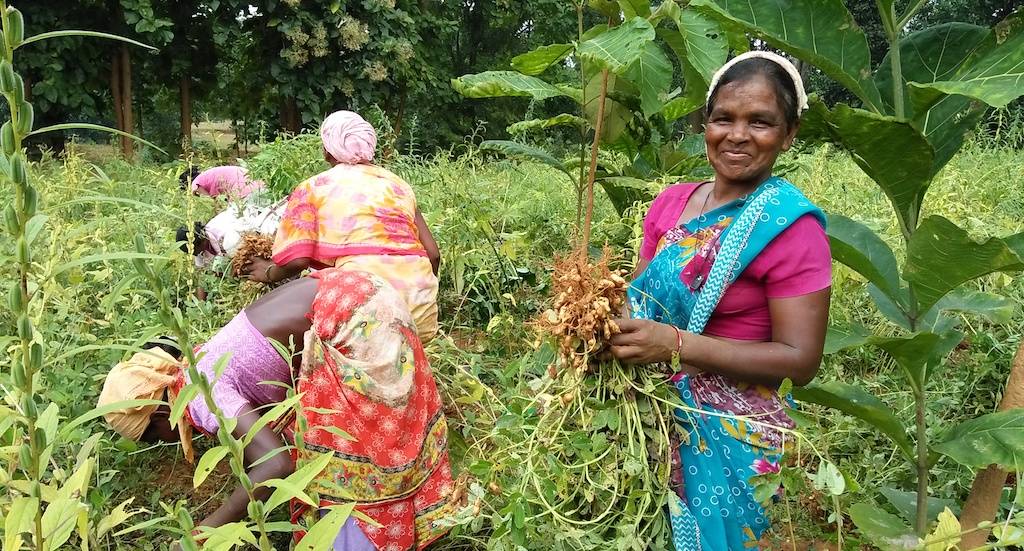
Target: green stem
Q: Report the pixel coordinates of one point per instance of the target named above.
(27, 390)
(896, 67)
(921, 522)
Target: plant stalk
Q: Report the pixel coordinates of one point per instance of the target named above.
(896, 66)
(921, 519)
(26, 392)
(598, 128)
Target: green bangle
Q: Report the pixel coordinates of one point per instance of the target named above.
(266, 271)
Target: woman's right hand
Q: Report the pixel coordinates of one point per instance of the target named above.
(257, 269)
(641, 341)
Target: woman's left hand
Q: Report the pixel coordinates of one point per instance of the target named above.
(643, 341)
(256, 269)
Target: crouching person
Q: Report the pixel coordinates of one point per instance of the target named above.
(362, 370)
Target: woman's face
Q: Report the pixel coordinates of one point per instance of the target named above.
(746, 131)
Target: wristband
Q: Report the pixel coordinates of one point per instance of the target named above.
(266, 271)
(677, 356)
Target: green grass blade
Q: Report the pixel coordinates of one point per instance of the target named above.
(101, 128)
(93, 34)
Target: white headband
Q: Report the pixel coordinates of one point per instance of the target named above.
(798, 83)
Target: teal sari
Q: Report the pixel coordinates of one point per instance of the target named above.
(714, 507)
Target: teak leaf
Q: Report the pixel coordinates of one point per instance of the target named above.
(855, 401)
(496, 84)
(822, 33)
(619, 47)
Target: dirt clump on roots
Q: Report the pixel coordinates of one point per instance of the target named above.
(252, 245)
(588, 295)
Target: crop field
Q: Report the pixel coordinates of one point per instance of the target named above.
(499, 225)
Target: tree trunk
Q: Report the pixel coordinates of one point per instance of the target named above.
(185, 91)
(400, 114)
(127, 148)
(983, 501)
(115, 91)
(290, 115)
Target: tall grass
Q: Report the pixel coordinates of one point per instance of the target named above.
(499, 224)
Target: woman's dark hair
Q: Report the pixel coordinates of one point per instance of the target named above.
(185, 178)
(166, 344)
(785, 88)
(198, 237)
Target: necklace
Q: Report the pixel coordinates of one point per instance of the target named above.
(704, 206)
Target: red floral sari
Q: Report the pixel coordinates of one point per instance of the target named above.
(365, 372)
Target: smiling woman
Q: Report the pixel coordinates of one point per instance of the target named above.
(733, 282)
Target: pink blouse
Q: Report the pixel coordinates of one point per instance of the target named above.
(225, 180)
(797, 262)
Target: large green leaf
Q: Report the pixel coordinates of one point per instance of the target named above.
(844, 337)
(497, 84)
(937, 53)
(323, 533)
(20, 514)
(696, 85)
(911, 353)
(855, 245)
(536, 62)
(652, 75)
(821, 32)
(881, 528)
(618, 48)
(704, 42)
(623, 191)
(634, 8)
(563, 119)
(892, 311)
(941, 257)
(992, 439)
(905, 504)
(992, 307)
(893, 153)
(855, 401)
(521, 151)
(933, 54)
(616, 115)
(996, 78)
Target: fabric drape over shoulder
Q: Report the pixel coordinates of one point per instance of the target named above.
(362, 217)
(364, 371)
(345, 211)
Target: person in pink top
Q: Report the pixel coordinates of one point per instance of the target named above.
(232, 181)
(732, 290)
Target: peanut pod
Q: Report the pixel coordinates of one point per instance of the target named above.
(41, 439)
(31, 202)
(19, 89)
(14, 299)
(7, 138)
(18, 374)
(28, 407)
(11, 221)
(25, 118)
(19, 173)
(15, 28)
(25, 456)
(24, 328)
(6, 77)
(36, 357)
(24, 255)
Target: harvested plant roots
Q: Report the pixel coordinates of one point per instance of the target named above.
(583, 458)
(587, 297)
(252, 245)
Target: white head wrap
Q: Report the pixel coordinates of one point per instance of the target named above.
(798, 83)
